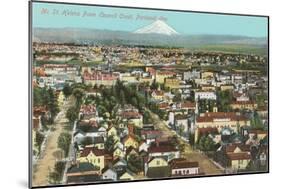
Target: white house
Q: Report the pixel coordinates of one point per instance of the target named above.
(208, 95)
(109, 174)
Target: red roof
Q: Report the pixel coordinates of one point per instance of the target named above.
(188, 104)
(86, 151)
(99, 76)
(179, 163)
(243, 102)
(211, 116)
(161, 148)
(166, 73)
(88, 109)
(239, 156)
(207, 130)
(158, 93)
(130, 114)
(232, 147)
(36, 122)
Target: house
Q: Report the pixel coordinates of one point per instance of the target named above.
(131, 151)
(240, 96)
(259, 134)
(187, 105)
(118, 153)
(118, 144)
(207, 75)
(92, 155)
(133, 117)
(157, 167)
(221, 120)
(143, 146)
(163, 149)
(82, 172)
(208, 88)
(130, 141)
(234, 156)
(127, 175)
(205, 131)
(111, 131)
(241, 105)
(208, 95)
(99, 78)
(157, 95)
(162, 75)
(119, 165)
(150, 135)
(109, 174)
(183, 167)
(238, 161)
(226, 87)
(181, 122)
(172, 83)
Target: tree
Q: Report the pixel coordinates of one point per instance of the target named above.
(39, 138)
(67, 90)
(52, 103)
(256, 121)
(59, 168)
(206, 144)
(154, 85)
(54, 178)
(109, 143)
(78, 93)
(191, 139)
(147, 118)
(63, 143)
(72, 114)
(177, 97)
(135, 163)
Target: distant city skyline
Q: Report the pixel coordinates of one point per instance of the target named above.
(51, 15)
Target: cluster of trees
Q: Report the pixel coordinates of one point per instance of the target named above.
(135, 163)
(256, 121)
(224, 99)
(63, 142)
(55, 177)
(147, 119)
(205, 105)
(39, 138)
(206, 144)
(46, 97)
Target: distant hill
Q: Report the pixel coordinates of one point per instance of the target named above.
(168, 38)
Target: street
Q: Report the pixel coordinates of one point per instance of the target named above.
(206, 165)
(51, 153)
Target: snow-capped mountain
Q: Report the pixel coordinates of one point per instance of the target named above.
(157, 27)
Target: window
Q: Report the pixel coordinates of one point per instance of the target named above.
(98, 160)
(157, 162)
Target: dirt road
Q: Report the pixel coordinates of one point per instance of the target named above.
(206, 165)
(51, 153)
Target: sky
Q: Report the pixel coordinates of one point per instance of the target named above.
(51, 15)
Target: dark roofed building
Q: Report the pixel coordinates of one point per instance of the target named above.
(183, 167)
(82, 173)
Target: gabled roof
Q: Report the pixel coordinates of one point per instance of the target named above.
(179, 163)
(82, 167)
(242, 147)
(161, 148)
(97, 152)
(239, 156)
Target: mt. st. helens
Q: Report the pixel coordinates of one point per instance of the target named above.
(157, 27)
